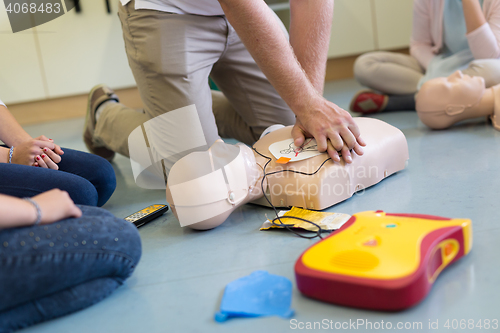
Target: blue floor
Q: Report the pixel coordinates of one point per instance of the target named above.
(179, 282)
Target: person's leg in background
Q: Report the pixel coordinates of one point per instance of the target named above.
(47, 271)
(489, 69)
(388, 72)
(394, 75)
(252, 102)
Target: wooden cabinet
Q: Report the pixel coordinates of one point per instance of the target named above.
(21, 76)
(393, 21)
(360, 26)
(80, 50)
(71, 54)
(66, 56)
(352, 28)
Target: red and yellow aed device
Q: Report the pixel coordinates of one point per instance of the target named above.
(382, 261)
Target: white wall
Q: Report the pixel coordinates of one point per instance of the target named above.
(74, 52)
(352, 28)
(66, 56)
(84, 49)
(21, 77)
(368, 25)
(393, 23)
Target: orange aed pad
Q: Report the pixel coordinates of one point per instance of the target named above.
(382, 261)
(283, 160)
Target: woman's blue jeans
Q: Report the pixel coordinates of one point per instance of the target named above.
(48, 271)
(89, 179)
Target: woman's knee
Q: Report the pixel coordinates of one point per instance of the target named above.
(81, 191)
(114, 235)
(362, 66)
(131, 245)
(366, 65)
(85, 167)
(69, 252)
(104, 181)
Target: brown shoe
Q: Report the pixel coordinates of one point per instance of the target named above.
(97, 96)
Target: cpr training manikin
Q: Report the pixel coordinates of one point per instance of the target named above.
(204, 188)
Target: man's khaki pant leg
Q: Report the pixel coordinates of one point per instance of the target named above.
(115, 125)
(171, 57)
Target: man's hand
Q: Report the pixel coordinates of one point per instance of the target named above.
(55, 206)
(297, 70)
(332, 127)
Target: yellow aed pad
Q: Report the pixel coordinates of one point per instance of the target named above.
(325, 220)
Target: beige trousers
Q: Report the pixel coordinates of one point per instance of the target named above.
(396, 73)
(172, 57)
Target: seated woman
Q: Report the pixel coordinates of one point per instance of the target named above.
(32, 166)
(57, 258)
(447, 35)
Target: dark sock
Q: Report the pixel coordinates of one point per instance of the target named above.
(401, 103)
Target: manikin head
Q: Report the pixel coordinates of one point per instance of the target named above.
(205, 187)
(451, 94)
(441, 101)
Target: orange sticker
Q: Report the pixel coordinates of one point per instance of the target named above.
(448, 249)
(283, 160)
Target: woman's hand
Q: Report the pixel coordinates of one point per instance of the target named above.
(55, 206)
(27, 151)
(38, 152)
(56, 149)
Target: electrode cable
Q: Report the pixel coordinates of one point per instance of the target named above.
(278, 218)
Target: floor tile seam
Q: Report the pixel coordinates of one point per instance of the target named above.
(211, 275)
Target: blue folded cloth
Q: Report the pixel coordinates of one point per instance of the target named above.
(258, 294)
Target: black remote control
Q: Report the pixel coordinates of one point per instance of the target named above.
(146, 215)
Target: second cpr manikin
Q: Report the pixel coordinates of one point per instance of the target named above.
(444, 101)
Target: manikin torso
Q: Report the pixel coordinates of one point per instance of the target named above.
(204, 200)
